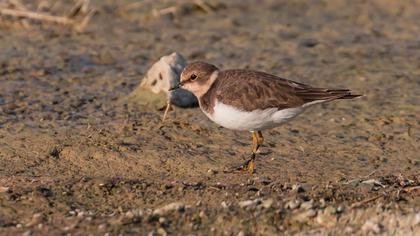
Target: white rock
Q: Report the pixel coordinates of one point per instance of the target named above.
(165, 74)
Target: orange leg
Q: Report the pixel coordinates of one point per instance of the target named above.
(260, 140)
(257, 141)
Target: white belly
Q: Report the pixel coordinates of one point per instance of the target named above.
(233, 118)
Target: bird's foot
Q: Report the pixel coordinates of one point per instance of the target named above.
(247, 166)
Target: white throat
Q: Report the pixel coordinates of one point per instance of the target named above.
(200, 91)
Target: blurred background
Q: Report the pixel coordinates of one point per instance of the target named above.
(75, 159)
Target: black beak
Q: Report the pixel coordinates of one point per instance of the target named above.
(179, 85)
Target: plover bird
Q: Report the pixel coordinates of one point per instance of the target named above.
(251, 100)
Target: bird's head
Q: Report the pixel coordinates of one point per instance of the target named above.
(197, 77)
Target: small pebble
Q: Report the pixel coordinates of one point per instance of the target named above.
(102, 227)
(293, 204)
(175, 206)
(307, 205)
(250, 203)
(129, 215)
(162, 232)
(162, 220)
(348, 230)
(153, 233)
(298, 188)
(80, 214)
(327, 218)
(211, 172)
(304, 216)
(322, 202)
(370, 226)
(309, 43)
(267, 203)
(4, 189)
(311, 213)
(36, 219)
(241, 233)
(27, 233)
(137, 212)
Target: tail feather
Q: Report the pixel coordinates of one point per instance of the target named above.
(350, 96)
(315, 94)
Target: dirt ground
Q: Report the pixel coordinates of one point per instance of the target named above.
(74, 160)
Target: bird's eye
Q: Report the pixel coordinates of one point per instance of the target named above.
(193, 77)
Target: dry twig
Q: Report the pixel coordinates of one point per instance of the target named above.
(164, 11)
(406, 189)
(409, 189)
(173, 9)
(36, 16)
(359, 180)
(203, 5)
(80, 8)
(361, 203)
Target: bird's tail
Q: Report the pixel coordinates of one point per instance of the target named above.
(318, 94)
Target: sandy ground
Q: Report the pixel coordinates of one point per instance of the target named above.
(75, 161)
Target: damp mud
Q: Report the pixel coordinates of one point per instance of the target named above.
(75, 160)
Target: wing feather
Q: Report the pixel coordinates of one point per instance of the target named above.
(252, 90)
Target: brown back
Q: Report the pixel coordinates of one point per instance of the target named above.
(252, 90)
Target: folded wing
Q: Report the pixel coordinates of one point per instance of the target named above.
(254, 90)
